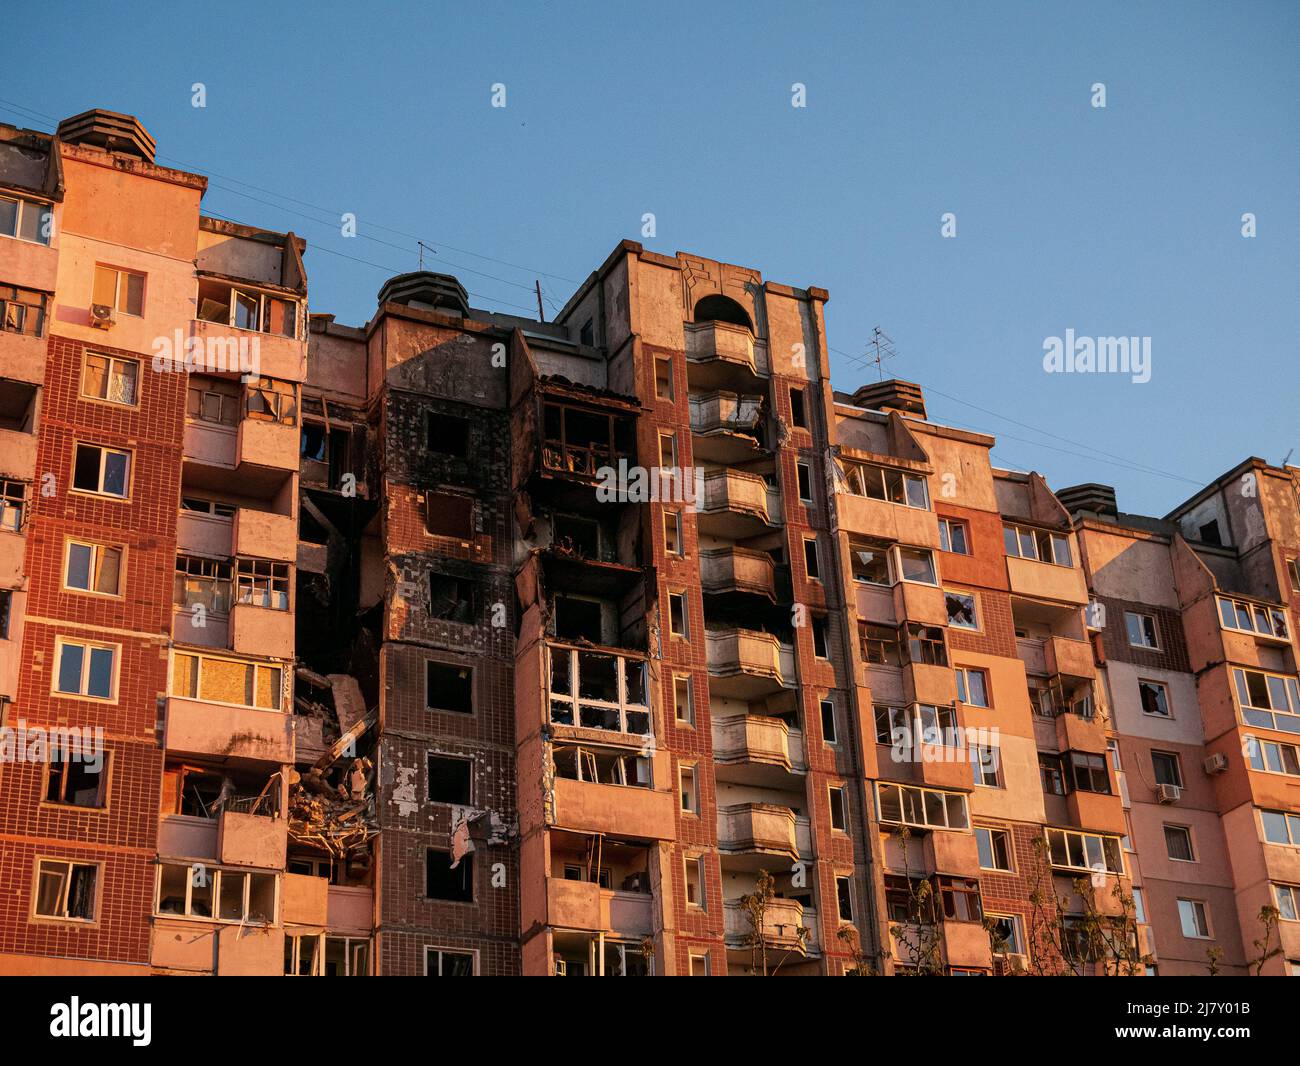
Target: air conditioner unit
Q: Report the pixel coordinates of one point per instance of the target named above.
(1216, 763)
(1010, 965)
(101, 316)
(1168, 793)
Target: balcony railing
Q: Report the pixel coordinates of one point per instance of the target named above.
(738, 570)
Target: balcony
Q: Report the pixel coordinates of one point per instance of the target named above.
(1096, 812)
(1033, 653)
(23, 356)
(738, 570)
(746, 664)
(261, 631)
(782, 920)
(1046, 581)
(757, 750)
(736, 505)
(18, 404)
(252, 840)
(198, 533)
(265, 535)
(350, 909)
(720, 354)
(211, 444)
(728, 427)
(12, 551)
(757, 834)
(1069, 658)
(221, 731)
(967, 944)
(305, 900)
(616, 810)
(272, 356)
(585, 905)
(182, 836)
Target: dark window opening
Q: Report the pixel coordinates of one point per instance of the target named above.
(449, 780)
(451, 598)
(844, 898)
(805, 482)
(442, 882)
(6, 608)
(797, 413)
(313, 442)
(449, 688)
(1210, 532)
(579, 536)
(821, 637)
(716, 308)
(587, 334)
(577, 619)
(810, 559)
(448, 435)
(76, 783)
(449, 515)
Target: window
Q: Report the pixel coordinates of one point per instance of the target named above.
(922, 808)
(1273, 758)
(687, 789)
(1178, 843)
(1112, 749)
(972, 686)
(1141, 630)
(1006, 934)
(821, 637)
(603, 766)
(606, 691)
(1139, 906)
(961, 610)
(272, 401)
(1039, 545)
(699, 965)
(104, 471)
(1089, 772)
(959, 897)
(1052, 774)
(448, 514)
(683, 701)
(22, 310)
(212, 400)
(839, 814)
(1281, 827)
(885, 483)
(234, 681)
(1287, 900)
(668, 451)
(1270, 701)
(925, 645)
(916, 565)
(880, 645)
(933, 725)
(1193, 919)
(694, 866)
(828, 721)
(195, 505)
(439, 962)
(986, 765)
(810, 559)
(673, 533)
(93, 568)
(202, 582)
(994, 848)
(66, 890)
(1166, 767)
(107, 378)
(122, 290)
(1154, 697)
(448, 687)
(870, 560)
(447, 434)
(28, 220)
(798, 416)
(1258, 618)
(200, 891)
(678, 623)
(576, 441)
(87, 670)
(844, 898)
(13, 494)
(247, 308)
(1293, 571)
(908, 900)
(664, 378)
(953, 537)
(803, 474)
(73, 782)
(1089, 852)
(443, 882)
(449, 780)
(6, 609)
(451, 599)
(262, 583)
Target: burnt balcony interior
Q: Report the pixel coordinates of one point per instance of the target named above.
(602, 766)
(332, 446)
(195, 790)
(577, 440)
(613, 864)
(580, 954)
(590, 688)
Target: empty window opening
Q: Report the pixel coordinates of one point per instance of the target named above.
(450, 598)
(448, 435)
(442, 882)
(449, 779)
(449, 688)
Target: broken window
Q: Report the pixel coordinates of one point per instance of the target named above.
(122, 290)
(220, 680)
(247, 309)
(664, 378)
(916, 565)
(450, 598)
(961, 610)
(828, 721)
(449, 779)
(688, 789)
(447, 434)
(571, 534)
(959, 898)
(438, 962)
(821, 636)
(262, 583)
(601, 766)
(13, 494)
(678, 623)
(839, 813)
(880, 644)
(626, 960)
(870, 560)
(107, 378)
(578, 618)
(598, 690)
(683, 701)
(189, 891)
(844, 898)
(695, 881)
(6, 609)
(810, 561)
(313, 446)
(347, 957)
(76, 783)
(66, 890)
(673, 533)
(442, 882)
(302, 955)
(798, 415)
(925, 645)
(272, 401)
(448, 514)
(104, 471)
(804, 475)
(449, 687)
(93, 568)
(199, 582)
(212, 400)
(576, 441)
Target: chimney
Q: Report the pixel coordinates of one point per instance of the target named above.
(427, 290)
(1093, 499)
(894, 395)
(110, 131)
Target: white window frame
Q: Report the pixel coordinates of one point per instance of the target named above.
(21, 206)
(114, 361)
(989, 830)
(216, 873)
(1032, 553)
(256, 664)
(962, 674)
(1290, 689)
(1199, 912)
(1101, 839)
(689, 720)
(68, 865)
(919, 804)
(1274, 618)
(104, 451)
(946, 525)
(60, 643)
(688, 798)
(1259, 750)
(576, 701)
(95, 549)
(1142, 617)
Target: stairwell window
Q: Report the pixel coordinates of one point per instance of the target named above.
(678, 619)
(1193, 919)
(1178, 843)
(102, 471)
(994, 847)
(22, 310)
(75, 782)
(953, 536)
(962, 612)
(108, 378)
(86, 670)
(694, 872)
(1141, 630)
(688, 788)
(828, 721)
(803, 474)
(94, 568)
(811, 564)
(122, 290)
(1154, 697)
(798, 413)
(683, 701)
(441, 882)
(839, 809)
(972, 686)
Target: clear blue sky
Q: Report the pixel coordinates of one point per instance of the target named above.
(1122, 221)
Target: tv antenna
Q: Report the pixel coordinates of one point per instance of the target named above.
(880, 349)
(423, 246)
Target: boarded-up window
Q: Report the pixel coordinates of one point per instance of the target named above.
(449, 515)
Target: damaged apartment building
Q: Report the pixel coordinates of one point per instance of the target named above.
(456, 643)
